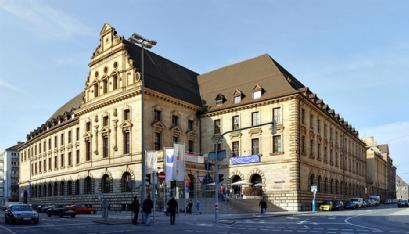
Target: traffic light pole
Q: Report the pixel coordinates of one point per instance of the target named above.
(216, 166)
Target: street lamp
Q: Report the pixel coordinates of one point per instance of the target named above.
(145, 43)
(216, 165)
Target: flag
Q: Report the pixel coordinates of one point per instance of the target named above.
(179, 163)
(169, 157)
(151, 162)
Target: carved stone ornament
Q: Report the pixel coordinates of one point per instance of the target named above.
(255, 131)
(126, 126)
(158, 126)
(176, 131)
(105, 131)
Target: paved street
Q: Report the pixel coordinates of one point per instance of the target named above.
(384, 219)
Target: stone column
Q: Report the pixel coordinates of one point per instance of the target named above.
(115, 134)
(96, 139)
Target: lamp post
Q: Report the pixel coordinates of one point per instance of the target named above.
(145, 43)
(216, 165)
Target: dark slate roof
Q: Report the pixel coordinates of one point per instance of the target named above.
(244, 76)
(165, 76)
(73, 104)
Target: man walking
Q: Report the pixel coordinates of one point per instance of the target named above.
(263, 206)
(190, 206)
(135, 207)
(147, 206)
(173, 207)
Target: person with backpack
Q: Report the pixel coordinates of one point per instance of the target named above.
(173, 208)
(135, 209)
(147, 207)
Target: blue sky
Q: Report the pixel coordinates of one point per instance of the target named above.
(353, 54)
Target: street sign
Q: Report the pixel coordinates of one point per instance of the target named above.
(314, 188)
(220, 155)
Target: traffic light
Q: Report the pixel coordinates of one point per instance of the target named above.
(221, 177)
(148, 178)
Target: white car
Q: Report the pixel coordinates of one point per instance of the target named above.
(359, 201)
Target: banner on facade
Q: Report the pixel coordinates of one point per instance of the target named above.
(179, 162)
(151, 162)
(194, 158)
(169, 161)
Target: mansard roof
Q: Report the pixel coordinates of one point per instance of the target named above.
(165, 76)
(244, 76)
(71, 105)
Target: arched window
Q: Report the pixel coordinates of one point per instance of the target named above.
(331, 186)
(105, 86)
(77, 187)
(326, 185)
(62, 188)
(45, 190)
(40, 191)
(96, 89)
(105, 184)
(126, 182)
(88, 185)
(336, 187)
(319, 184)
(69, 187)
(114, 82)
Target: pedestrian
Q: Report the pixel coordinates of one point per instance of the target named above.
(263, 206)
(190, 206)
(135, 208)
(173, 207)
(198, 206)
(147, 206)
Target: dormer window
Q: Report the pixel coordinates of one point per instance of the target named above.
(96, 90)
(237, 96)
(220, 99)
(257, 91)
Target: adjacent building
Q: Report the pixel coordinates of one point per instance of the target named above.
(2, 202)
(402, 188)
(10, 174)
(380, 170)
(279, 137)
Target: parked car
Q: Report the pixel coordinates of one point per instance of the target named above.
(359, 201)
(351, 205)
(20, 213)
(326, 206)
(376, 199)
(369, 202)
(84, 209)
(61, 211)
(338, 205)
(365, 203)
(403, 203)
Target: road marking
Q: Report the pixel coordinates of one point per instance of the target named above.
(359, 226)
(7, 229)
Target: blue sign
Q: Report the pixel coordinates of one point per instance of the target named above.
(245, 159)
(220, 155)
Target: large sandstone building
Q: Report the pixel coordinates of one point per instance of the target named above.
(281, 137)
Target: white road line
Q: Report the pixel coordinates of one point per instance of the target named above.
(356, 225)
(7, 229)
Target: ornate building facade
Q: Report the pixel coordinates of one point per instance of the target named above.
(279, 137)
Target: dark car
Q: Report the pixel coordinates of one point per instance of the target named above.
(61, 211)
(351, 205)
(19, 213)
(403, 203)
(338, 205)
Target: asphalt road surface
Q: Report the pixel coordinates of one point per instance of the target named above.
(383, 219)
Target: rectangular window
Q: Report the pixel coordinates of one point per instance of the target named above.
(303, 145)
(105, 86)
(257, 94)
(55, 162)
(62, 138)
(78, 156)
(157, 115)
(302, 116)
(77, 134)
(87, 150)
(277, 144)
(45, 165)
(69, 159)
(114, 82)
(277, 115)
(49, 143)
(190, 125)
(62, 161)
(255, 146)
(105, 147)
(319, 151)
(311, 122)
(127, 142)
(49, 164)
(35, 166)
(69, 137)
(175, 120)
(39, 166)
(216, 126)
(235, 149)
(237, 99)
(235, 122)
(55, 141)
(105, 121)
(191, 150)
(88, 126)
(255, 118)
(96, 90)
(157, 141)
(127, 114)
(39, 148)
(175, 139)
(318, 125)
(44, 145)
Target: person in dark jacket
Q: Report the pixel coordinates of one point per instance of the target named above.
(263, 206)
(135, 208)
(147, 207)
(173, 207)
(190, 206)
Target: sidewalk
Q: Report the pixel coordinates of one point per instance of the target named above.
(126, 217)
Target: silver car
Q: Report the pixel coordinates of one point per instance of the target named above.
(19, 213)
